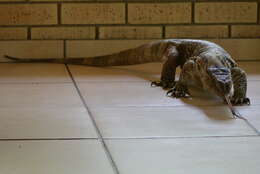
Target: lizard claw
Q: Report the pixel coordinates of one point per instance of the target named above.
(178, 91)
(156, 83)
(240, 101)
(163, 84)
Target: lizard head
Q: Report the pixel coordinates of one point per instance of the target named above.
(222, 81)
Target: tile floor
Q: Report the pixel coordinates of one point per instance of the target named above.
(62, 120)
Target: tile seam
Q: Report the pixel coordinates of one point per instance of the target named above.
(100, 137)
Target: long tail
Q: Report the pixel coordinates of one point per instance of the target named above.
(30, 60)
(143, 54)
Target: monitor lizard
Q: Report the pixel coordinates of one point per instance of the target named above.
(203, 63)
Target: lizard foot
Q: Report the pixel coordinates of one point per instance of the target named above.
(178, 91)
(163, 84)
(240, 101)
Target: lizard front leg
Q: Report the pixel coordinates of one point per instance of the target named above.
(181, 87)
(169, 68)
(240, 87)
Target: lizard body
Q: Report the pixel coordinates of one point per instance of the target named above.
(203, 63)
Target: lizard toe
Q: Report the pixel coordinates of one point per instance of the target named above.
(163, 84)
(169, 93)
(177, 93)
(156, 83)
(241, 101)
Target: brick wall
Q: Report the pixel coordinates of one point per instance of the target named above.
(76, 28)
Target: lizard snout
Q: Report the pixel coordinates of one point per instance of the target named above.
(224, 86)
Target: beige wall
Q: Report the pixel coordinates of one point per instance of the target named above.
(68, 28)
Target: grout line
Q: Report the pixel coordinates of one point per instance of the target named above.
(100, 138)
(128, 138)
(252, 127)
(182, 137)
(34, 83)
(45, 139)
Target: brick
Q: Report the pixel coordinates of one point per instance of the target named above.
(155, 13)
(226, 12)
(13, 33)
(63, 33)
(241, 49)
(28, 14)
(93, 13)
(99, 47)
(245, 31)
(214, 31)
(32, 49)
(130, 32)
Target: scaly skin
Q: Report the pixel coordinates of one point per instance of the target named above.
(203, 63)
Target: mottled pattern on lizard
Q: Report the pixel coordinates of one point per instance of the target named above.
(203, 63)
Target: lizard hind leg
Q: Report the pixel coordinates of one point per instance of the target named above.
(240, 87)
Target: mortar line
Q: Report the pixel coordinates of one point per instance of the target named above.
(229, 31)
(126, 12)
(59, 13)
(192, 12)
(97, 31)
(163, 32)
(64, 49)
(29, 33)
(100, 137)
(258, 12)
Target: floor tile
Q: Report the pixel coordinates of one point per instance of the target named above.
(143, 72)
(137, 94)
(252, 69)
(182, 156)
(169, 122)
(53, 157)
(38, 123)
(39, 96)
(140, 94)
(253, 92)
(27, 73)
(252, 113)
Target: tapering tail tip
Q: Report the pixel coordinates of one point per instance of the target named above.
(11, 58)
